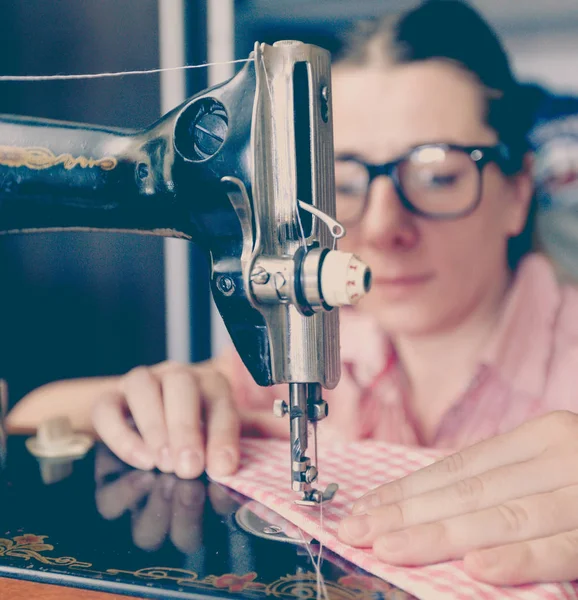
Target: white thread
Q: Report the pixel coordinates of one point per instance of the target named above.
(322, 593)
(267, 80)
(114, 74)
(320, 578)
(303, 239)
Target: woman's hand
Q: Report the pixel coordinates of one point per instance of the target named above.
(184, 415)
(508, 506)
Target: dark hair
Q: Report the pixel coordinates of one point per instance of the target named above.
(454, 31)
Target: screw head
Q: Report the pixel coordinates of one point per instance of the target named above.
(311, 475)
(201, 129)
(142, 170)
(259, 276)
(209, 131)
(272, 529)
(280, 408)
(225, 285)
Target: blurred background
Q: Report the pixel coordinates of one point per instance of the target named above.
(78, 305)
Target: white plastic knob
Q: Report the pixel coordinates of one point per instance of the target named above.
(345, 279)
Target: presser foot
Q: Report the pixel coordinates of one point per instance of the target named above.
(315, 497)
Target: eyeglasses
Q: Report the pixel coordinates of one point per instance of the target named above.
(436, 181)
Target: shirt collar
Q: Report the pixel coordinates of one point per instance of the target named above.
(521, 347)
(519, 350)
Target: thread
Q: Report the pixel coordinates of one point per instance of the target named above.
(322, 593)
(321, 587)
(22, 78)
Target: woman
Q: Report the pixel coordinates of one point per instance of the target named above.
(462, 326)
(451, 347)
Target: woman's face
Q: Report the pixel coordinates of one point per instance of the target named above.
(428, 275)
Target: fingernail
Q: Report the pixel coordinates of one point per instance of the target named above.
(143, 460)
(356, 527)
(190, 464)
(165, 462)
(224, 463)
(364, 504)
(392, 542)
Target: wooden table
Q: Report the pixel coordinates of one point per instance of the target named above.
(15, 589)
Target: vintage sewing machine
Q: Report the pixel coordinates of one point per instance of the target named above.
(245, 170)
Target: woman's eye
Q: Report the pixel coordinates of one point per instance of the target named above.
(432, 180)
(349, 189)
(445, 180)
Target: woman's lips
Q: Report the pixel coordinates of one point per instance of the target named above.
(402, 280)
(401, 285)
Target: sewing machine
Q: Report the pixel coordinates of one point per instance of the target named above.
(106, 527)
(245, 170)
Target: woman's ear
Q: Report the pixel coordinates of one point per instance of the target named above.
(522, 191)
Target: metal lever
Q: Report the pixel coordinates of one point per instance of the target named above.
(335, 227)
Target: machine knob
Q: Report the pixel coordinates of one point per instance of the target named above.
(345, 279)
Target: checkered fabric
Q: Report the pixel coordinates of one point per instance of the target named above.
(356, 467)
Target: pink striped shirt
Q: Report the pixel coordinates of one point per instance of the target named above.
(530, 367)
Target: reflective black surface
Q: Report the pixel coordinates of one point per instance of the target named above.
(102, 525)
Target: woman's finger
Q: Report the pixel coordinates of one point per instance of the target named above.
(515, 521)
(183, 413)
(109, 421)
(469, 495)
(223, 428)
(550, 559)
(521, 444)
(144, 399)
(107, 465)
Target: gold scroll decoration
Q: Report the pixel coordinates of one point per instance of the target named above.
(31, 547)
(39, 158)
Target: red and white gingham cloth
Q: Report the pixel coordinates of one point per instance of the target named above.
(356, 467)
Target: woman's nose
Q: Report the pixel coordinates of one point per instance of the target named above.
(387, 223)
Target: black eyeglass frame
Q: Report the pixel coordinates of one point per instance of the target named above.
(479, 155)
